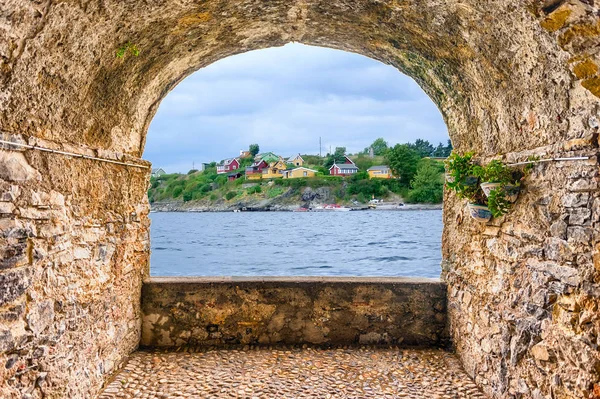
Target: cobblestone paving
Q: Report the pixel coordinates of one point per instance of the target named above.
(293, 373)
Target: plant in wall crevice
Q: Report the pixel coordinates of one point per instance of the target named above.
(462, 178)
(128, 48)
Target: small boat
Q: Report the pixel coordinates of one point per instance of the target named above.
(335, 208)
(301, 209)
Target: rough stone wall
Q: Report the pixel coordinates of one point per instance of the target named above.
(321, 311)
(511, 77)
(73, 249)
(524, 288)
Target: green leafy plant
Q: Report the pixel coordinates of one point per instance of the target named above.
(494, 172)
(529, 166)
(230, 195)
(498, 203)
(462, 179)
(127, 48)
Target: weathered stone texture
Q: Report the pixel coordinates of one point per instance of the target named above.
(523, 303)
(512, 78)
(71, 262)
(321, 311)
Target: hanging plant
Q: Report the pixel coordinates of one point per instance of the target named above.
(499, 188)
(498, 202)
(460, 175)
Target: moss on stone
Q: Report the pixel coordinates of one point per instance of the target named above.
(580, 30)
(585, 69)
(593, 85)
(556, 20)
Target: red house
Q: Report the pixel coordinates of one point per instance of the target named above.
(343, 169)
(255, 170)
(228, 165)
(347, 160)
(234, 176)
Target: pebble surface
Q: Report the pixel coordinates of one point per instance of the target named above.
(293, 373)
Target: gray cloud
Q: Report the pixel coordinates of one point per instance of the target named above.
(284, 99)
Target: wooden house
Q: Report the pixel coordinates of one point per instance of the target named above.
(296, 160)
(343, 169)
(228, 165)
(298, 172)
(380, 172)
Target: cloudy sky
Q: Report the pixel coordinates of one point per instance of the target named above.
(284, 99)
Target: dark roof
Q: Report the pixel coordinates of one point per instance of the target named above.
(344, 166)
(228, 161)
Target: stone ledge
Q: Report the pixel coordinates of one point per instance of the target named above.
(290, 279)
(221, 311)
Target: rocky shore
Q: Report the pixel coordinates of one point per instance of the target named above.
(266, 205)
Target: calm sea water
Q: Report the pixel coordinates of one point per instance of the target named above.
(367, 243)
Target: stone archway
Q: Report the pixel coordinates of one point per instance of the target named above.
(510, 78)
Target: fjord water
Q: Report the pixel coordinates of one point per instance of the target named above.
(365, 243)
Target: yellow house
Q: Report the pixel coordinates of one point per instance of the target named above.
(380, 172)
(275, 169)
(299, 172)
(296, 160)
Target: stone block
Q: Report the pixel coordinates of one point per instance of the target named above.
(6, 341)
(579, 235)
(558, 229)
(82, 253)
(12, 255)
(558, 250)
(12, 313)
(7, 208)
(540, 352)
(583, 185)
(14, 283)
(14, 167)
(41, 316)
(574, 200)
(579, 216)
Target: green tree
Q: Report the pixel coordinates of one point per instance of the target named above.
(448, 149)
(422, 147)
(427, 185)
(403, 161)
(439, 151)
(338, 156)
(380, 147)
(254, 149)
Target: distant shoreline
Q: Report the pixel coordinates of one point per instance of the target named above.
(176, 207)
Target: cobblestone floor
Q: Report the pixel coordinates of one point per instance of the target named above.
(293, 373)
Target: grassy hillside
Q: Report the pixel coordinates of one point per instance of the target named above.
(208, 186)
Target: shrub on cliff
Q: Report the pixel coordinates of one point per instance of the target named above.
(230, 195)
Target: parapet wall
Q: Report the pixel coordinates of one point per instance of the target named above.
(312, 310)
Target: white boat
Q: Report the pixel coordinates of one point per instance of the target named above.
(336, 208)
(340, 209)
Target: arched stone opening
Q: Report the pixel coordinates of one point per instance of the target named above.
(510, 79)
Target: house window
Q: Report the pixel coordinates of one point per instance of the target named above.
(305, 173)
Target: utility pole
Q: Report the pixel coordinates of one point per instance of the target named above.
(320, 156)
